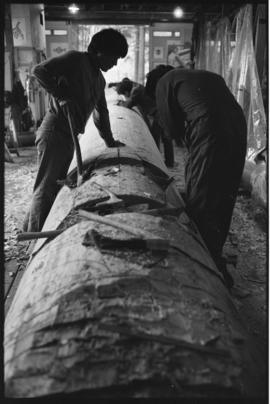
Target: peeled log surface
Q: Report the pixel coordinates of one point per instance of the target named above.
(135, 172)
(128, 127)
(98, 315)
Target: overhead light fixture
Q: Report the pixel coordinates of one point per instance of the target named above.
(73, 8)
(178, 12)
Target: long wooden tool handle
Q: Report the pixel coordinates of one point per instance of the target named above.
(36, 235)
(76, 145)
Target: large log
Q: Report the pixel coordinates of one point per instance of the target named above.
(97, 314)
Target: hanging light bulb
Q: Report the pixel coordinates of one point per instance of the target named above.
(73, 8)
(178, 12)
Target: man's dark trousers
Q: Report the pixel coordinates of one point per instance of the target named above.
(213, 174)
(55, 152)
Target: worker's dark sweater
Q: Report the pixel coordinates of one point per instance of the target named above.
(197, 108)
(85, 87)
(184, 96)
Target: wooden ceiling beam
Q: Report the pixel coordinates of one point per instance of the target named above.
(116, 16)
(134, 13)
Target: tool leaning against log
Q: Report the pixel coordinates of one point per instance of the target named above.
(76, 148)
(74, 135)
(112, 202)
(147, 240)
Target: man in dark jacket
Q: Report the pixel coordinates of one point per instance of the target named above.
(76, 86)
(197, 108)
(136, 97)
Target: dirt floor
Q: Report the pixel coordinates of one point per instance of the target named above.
(245, 249)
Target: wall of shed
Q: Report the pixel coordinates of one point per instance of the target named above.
(28, 30)
(164, 37)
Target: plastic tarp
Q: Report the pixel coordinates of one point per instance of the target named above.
(215, 47)
(244, 81)
(228, 49)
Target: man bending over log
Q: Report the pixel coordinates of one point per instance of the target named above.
(76, 85)
(197, 108)
(136, 97)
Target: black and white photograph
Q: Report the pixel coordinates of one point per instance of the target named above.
(135, 196)
(158, 52)
(177, 54)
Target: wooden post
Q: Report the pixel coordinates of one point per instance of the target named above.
(9, 48)
(260, 39)
(141, 58)
(9, 53)
(137, 45)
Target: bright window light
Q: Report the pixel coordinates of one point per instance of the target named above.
(73, 8)
(178, 12)
(162, 33)
(59, 32)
